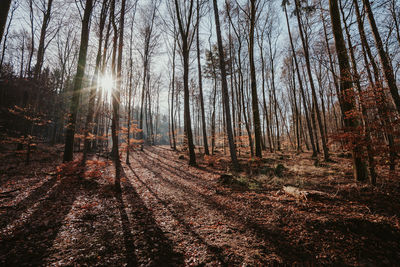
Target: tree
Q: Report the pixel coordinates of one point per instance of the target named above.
(304, 41)
(203, 116)
(384, 58)
(149, 38)
(310, 131)
(70, 132)
(346, 90)
(254, 97)
(184, 16)
(225, 95)
(92, 91)
(43, 32)
(4, 8)
(116, 95)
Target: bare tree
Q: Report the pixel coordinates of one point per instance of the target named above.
(346, 87)
(4, 8)
(225, 95)
(383, 56)
(43, 32)
(185, 18)
(70, 132)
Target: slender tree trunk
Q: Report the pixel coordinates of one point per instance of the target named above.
(383, 56)
(172, 97)
(203, 117)
(116, 95)
(310, 131)
(3, 52)
(367, 129)
(41, 48)
(254, 96)
(4, 8)
(92, 92)
(70, 132)
(351, 123)
(225, 96)
(213, 117)
(310, 77)
(264, 100)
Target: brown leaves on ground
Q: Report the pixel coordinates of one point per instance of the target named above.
(161, 212)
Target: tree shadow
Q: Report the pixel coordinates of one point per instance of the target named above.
(277, 238)
(16, 211)
(130, 255)
(161, 150)
(370, 243)
(145, 242)
(29, 243)
(215, 250)
(378, 202)
(175, 170)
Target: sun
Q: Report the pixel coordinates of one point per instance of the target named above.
(106, 81)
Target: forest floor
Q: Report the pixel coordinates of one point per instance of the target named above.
(165, 213)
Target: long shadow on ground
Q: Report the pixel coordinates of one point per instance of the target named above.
(23, 205)
(145, 242)
(30, 241)
(275, 237)
(214, 250)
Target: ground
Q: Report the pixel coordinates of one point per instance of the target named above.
(164, 213)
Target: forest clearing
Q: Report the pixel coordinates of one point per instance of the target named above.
(199, 133)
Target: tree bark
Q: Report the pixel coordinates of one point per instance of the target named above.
(310, 131)
(364, 112)
(254, 96)
(203, 117)
(310, 77)
(70, 132)
(383, 56)
(116, 95)
(351, 123)
(4, 8)
(185, 32)
(225, 96)
(41, 48)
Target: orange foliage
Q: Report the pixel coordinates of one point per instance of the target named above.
(69, 168)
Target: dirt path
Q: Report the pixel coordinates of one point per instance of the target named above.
(164, 213)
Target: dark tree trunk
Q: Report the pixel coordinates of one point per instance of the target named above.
(185, 33)
(310, 77)
(254, 96)
(70, 132)
(351, 123)
(364, 112)
(4, 8)
(203, 117)
(383, 56)
(41, 48)
(116, 95)
(310, 131)
(225, 96)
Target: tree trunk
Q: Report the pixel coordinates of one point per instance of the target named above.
(351, 123)
(70, 132)
(364, 112)
(185, 33)
(383, 56)
(310, 131)
(254, 96)
(203, 117)
(225, 96)
(4, 8)
(41, 48)
(310, 77)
